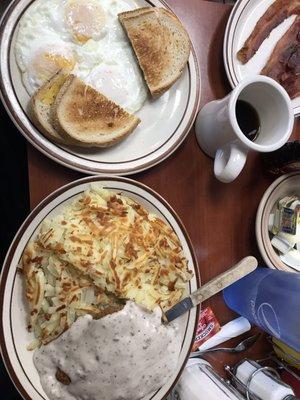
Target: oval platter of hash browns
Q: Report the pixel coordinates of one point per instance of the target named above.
(88, 248)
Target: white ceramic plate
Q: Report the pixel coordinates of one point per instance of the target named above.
(283, 186)
(241, 23)
(165, 121)
(13, 333)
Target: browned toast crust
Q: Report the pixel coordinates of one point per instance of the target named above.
(83, 114)
(152, 39)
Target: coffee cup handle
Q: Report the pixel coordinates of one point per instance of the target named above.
(229, 162)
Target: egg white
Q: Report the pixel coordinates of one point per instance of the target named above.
(105, 61)
(39, 61)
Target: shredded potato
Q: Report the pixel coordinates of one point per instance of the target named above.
(102, 247)
(58, 294)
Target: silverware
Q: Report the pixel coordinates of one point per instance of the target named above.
(238, 271)
(244, 345)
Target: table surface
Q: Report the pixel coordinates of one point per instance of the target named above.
(220, 218)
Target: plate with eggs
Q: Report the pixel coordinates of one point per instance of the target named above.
(99, 86)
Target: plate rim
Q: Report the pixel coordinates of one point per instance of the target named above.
(236, 11)
(73, 161)
(26, 224)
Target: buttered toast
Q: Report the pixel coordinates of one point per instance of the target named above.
(41, 104)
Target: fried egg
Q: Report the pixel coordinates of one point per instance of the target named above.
(115, 82)
(40, 61)
(85, 19)
(86, 38)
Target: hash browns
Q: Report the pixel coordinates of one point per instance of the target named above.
(102, 247)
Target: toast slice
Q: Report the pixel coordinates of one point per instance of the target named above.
(161, 45)
(40, 107)
(81, 113)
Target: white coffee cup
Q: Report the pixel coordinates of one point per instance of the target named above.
(218, 132)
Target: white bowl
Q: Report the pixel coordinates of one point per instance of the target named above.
(283, 186)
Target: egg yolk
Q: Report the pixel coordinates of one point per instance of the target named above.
(47, 64)
(85, 19)
(48, 94)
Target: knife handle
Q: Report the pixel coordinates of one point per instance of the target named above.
(238, 271)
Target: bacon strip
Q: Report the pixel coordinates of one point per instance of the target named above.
(275, 15)
(284, 63)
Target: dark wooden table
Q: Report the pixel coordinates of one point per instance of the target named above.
(219, 217)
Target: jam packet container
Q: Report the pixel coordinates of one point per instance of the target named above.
(287, 216)
(208, 326)
(284, 224)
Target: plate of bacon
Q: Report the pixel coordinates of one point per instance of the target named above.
(263, 37)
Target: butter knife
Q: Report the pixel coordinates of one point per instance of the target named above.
(238, 271)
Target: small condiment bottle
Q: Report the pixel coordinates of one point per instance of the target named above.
(259, 382)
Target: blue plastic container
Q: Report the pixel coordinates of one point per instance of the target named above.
(270, 299)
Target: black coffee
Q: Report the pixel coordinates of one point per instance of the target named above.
(247, 119)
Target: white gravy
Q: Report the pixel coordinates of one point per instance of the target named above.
(123, 356)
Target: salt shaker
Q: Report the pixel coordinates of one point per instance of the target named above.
(259, 383)
(199, 381)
